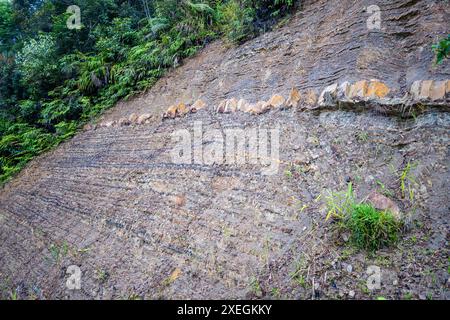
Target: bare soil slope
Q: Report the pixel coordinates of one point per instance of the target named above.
(112, 201)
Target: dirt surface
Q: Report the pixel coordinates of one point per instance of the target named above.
(112, 202)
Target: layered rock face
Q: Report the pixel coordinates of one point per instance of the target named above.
(340, 102)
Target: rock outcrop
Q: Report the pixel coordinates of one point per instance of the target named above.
(427, 92)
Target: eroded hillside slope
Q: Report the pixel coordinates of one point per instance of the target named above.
(113, 202)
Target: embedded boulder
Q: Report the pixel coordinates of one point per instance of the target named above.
(133, 118)
(176, 111)
(438, 90)
(259, 108)
(430, 90)
(309, 98)
(182, 109)
(124, 122)
(171, 112)
(383, 203)
(277, 102)
(377, 89)
(344, 91)
(143, 118)
(359, 90)
(228, 106)
(108, 124)
(243, 105)
(328, 96)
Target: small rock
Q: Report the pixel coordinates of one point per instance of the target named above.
(415, 89)
(369, 179)
(180, 200)
(294, 98)
(243, 105)
(313, 141)
(310, 98)
(377, 89)
(351, 294)
(359, 89)
(315, 156)
(425, 90)
(124, 122)
(143, 118)
(133, 118)
(349, 268)
(171, 112)
(276, 102)
(198, 105)
(381, 202)
(423, 189)
(328, 96)
(438, 90)
(345, 237)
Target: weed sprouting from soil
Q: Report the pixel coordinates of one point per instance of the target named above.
(407, 181)
(255, 286)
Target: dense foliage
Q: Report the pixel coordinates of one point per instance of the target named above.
(54, 78)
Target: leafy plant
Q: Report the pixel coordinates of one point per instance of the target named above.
(36, 63)
(442, 49)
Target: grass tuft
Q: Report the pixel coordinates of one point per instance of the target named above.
(370, 229)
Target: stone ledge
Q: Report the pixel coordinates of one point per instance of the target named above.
(363, 94)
